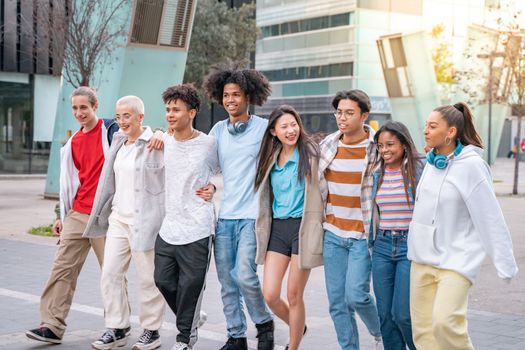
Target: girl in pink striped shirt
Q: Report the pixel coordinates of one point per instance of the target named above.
(393, 192)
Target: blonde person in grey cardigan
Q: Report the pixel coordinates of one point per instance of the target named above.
(289, 228)
(129, 206)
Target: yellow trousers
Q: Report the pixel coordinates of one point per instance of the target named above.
(438, 307)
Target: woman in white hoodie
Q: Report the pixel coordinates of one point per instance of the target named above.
(456, 222)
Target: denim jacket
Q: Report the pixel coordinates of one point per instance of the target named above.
(374, 221)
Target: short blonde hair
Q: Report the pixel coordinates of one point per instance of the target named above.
(136, 104)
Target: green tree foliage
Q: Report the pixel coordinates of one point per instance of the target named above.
(220, 35)
(42, 231)
(442, 57)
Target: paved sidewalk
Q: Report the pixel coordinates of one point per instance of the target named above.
(503, 176)
(496, 314)
(25, 269)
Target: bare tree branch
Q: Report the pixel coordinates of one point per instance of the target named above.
(74, 38)
(96, 29)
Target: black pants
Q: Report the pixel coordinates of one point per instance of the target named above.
(180, 275)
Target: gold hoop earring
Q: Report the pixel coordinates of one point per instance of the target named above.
(448, 140)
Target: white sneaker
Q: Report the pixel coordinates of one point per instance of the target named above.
(378, 343)
(203, 317)
(181, 346)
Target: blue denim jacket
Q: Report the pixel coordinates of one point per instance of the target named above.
(420, 165)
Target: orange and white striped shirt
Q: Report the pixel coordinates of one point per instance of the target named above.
(344, 216)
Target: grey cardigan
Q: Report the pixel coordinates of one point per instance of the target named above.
(311, 231)
(149, 193)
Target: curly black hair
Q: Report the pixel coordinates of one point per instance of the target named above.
(184, 92)
(251, 81)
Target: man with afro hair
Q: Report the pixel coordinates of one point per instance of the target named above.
(238, 141)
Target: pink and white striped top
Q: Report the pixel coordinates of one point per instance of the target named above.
(395, 213)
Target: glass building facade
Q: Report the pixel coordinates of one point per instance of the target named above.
(311, 49)
(30, 67)
(19, 152)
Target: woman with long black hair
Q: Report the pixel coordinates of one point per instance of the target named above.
(289, 225)
(396, 175)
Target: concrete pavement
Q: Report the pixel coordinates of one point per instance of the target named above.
(503, 176)
(496, 314)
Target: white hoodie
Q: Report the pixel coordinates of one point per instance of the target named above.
(457, 219)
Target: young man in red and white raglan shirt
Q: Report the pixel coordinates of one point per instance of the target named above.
(81, 161)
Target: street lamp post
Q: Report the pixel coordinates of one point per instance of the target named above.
(491, 58)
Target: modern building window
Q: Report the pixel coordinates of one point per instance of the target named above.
(311, 72)
(412, 7)
(305, 25)
(161, 22)
(19, 153)
(32, 36)
(394, 65)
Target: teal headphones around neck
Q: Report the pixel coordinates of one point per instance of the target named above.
(440, 161)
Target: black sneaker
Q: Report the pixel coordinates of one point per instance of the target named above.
(235, 344)
(265, 335)
(181, 346)
(304, 333)
(44, 334)
(112, 337)
(148, 340)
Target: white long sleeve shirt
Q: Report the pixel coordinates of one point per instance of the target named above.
(189, 165)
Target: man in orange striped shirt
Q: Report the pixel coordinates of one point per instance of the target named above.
(346, 161)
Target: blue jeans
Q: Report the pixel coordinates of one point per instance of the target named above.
(234, 250)
(391, 278)
(347, 275)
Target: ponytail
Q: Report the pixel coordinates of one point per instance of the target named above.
(470, 135)
(460, 116)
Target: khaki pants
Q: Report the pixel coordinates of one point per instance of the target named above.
(73, 249)
(117, 255)
(438, 307)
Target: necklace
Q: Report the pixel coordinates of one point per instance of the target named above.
(186, 139)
